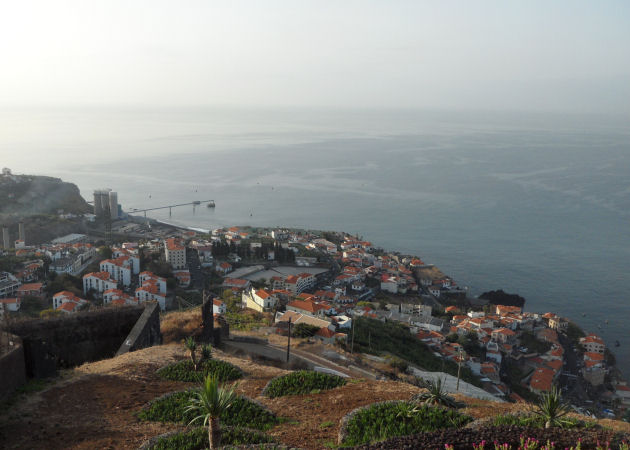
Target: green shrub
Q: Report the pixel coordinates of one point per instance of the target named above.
(537, 421)
(382, 421)
(197, 439)
(185, 371)
(302, 382)
(242, 413)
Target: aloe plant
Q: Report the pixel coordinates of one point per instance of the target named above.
(552, 409)
(206, 352)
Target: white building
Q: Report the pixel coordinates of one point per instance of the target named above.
(160, 282)
(150, 292)
(593, 343)
(175, 253)
(8, 285)
(259, 300)
(120, 269)
(67, 302)
(218, 307)
(132, 254)
(99, 282)
(118, 297)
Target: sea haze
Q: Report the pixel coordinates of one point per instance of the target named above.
(533, 204)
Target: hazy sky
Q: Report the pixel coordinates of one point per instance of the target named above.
(551, 55)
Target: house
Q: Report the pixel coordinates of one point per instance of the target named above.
(259, 300)
(149, 277)
(175, 253)
(541, 380)
(182, 277)
(120, 269)
(67, 302)
(623, 393)
(9, 285)
(98, 282)
(151, 292)
(503, 310)
(118, 297)
(327, 336)
(236, 284)
(593, 343)
(503, 335)
(223, 268)
(298, 283)
(297, 318)
(308, 308)
(10, 304)
(131, 252)
(218, 307)
(31, 289)
(389, 284)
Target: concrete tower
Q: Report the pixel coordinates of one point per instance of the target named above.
(21, 234)
(113, 205)
(6, 238)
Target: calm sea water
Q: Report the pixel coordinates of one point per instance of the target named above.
(534, 204)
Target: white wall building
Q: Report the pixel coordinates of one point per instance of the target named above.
(175, 253)
(99, 281)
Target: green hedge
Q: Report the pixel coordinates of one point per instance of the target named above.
(184, 371)
(197, 439)
(242, 413)
(539, 422)
(302, 382)
(382, 421)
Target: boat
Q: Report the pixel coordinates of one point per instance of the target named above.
(210, 204)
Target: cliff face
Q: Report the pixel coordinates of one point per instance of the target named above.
(28, 195)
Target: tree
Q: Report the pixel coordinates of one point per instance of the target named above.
(105, 252)
(210, 403)
(304, 330)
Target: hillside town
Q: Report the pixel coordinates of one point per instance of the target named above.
(320, 282)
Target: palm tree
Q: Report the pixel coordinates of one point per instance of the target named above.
(212, 401)
(191, 346)
(552, 409)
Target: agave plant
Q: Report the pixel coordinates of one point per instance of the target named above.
(552, 409)
(212, 401)
(435, 394)
(191, 346)
(206, 352)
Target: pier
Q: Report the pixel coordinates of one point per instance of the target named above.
(170, 207)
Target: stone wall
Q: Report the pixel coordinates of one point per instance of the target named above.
(146, 331)
(71, 340)
(12, 369)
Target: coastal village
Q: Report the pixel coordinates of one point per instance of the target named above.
(318, 283)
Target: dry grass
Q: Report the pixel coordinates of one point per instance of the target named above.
(178, 325)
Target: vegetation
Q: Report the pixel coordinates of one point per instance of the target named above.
(304, 330)
(197, 439)
(376, 337)
(533, 344)
(435, 395)
(503, 298)
(210, 403)
(552, 409)
(382, 421)
(538, 421)
(574, 333)
(191, 346)
(302, 382)
(242, 413)
(185, 371)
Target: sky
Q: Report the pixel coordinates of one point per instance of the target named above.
(533, 55)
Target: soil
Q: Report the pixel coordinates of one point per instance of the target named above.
(93, 405)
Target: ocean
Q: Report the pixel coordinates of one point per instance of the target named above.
(535, 204)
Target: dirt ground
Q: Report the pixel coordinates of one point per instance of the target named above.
(93, 406)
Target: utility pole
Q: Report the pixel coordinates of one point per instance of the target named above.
(459, 367)
(289, 341)
(352, 343)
